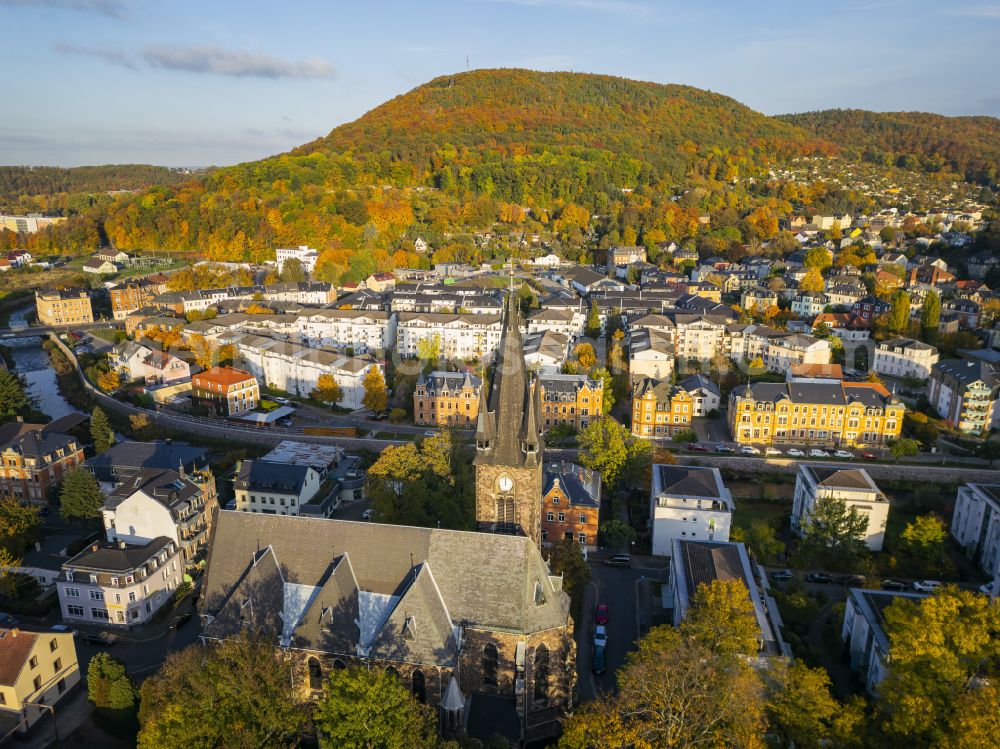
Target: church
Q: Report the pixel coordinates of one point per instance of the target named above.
(471, 622)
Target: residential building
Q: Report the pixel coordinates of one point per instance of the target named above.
(838, 414)
(34, 460)
(864, 633)
(571, 503)
(975, 524)
(275, 488)
(352, 331)
(809, 304)
(625, 255)
(460, 337)
(302, 253)
(65, 307)
(905, 357)
(758, 298)
(446, 399)
(964, 393)
(815, 483)
(695, 562)
(37, 669)
(490, 645)
(120, 585)
(127, 457)
(135, 361)
(850, 329)
(786, 351)
(148, 503)
(650, 354)
(570, 399)
(967, 311)
(688, 503)
(129, 296)
(704, 393)
(28, 224)
(870, 307)
(546, 351)
(660, 409)
(99, 266)
(226, 391)
(569, 321)
(380, 282)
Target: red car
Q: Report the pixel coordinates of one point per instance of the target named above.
(868, 456)
(693, 447)
(602, 614)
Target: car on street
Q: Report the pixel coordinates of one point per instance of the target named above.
(354, 474)
(65, 628)
(368, 514)
(599, 662)
(819, 577)
(432, 433)
(892, 584)
(926, 586)
(749, 450)
(781, 575)
(179, 621)
(100, 638)
(724, 449)
(869, 456)
(772, 451)
(851, 581)
(696, 448)
(619, 560)
(285, 422)
(817, 453)
(843, 454)
(601, 617)
(282, 401)
(600, 636)
(795, 453)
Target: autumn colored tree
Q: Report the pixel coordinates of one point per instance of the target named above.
(585, 356)
(802, 711)
(812, 282)
(19, 525)
(608, 447)
(327, 389)
(376, 396)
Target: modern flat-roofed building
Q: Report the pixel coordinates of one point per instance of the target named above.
(975, 524)
(64, 307)
(863, 632)
(688, 503)
(815, 483)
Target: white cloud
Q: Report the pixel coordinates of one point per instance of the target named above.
(205, 58)
(112, 56)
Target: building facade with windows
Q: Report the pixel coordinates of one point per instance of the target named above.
(571, 502)
(660, 409)
(275, 488)
(36, 668)
(815, 483)
(355, 330)
(975, 524)
(570, 399)
(831, 414)
(688, 503)
(34, 460)
(460, 337)
(226, 391)
(119, 585)
(448, 399)
(964, 392)
(65, 307)
(130, 296)
(905, 357)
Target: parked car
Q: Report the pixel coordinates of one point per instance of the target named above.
(926, 586)
(695, 447)
(893, 585)
(100, 638)
(772, 451)
(368, 514)
(781, 575)
(749, 450)
(601, 617)
(818, 577)
(285, 422)
(619, 560)
(180, 620)
(796, 453)
(817, 453)
(432, 433)
(869, 456)
(843, 454)
(851, 581)
(600, 636)
(282, 401)
(724, 449)
(599, 662)
(65, 628)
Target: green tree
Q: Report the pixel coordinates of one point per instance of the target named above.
(922, 544)
(80, 496)
(19, 525)
(101, 431)
(566, 559)
(803, 713)
(609, 389)
(371, 709)
(930, 315)
(109, 686)
(292, 271)
(904, 447)
(685, 436)
(990, 450)
(14, 400)
(899, 312)
(817, 257)
(944, 648)
(610, 448)
(833, 534)
(429, 348)
(238, 693)
(762, 539)
(376, 396)
(592, 327)
(327, 389)
(617, 534)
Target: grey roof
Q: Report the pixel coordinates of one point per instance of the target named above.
(565, 383)
(277, 478)
(440, 383)
(965, 372)
(114, 558)
(906, 343)
(547, 343)
(649, 339)
(485, 580)
(820, 393)
(687, 481)
(165, 486)
(581, 486)
(698, 382)
(831, 477)
(38, 443)
(133, 455)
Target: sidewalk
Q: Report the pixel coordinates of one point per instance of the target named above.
(71, 712)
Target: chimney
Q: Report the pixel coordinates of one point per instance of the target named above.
(94, 547)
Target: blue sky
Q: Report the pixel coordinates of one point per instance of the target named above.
(217, 82)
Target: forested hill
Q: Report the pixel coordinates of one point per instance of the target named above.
(17, 182)
(968, 146)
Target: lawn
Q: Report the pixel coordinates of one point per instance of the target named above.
(772, 513)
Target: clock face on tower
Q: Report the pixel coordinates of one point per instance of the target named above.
(506, 483)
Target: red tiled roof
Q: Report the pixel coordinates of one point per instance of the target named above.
(225, 376)
(15, 648)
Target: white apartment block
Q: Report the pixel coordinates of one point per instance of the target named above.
(120, 585)
(362, 331)
(296, 369)
(303, 254)
(461, 337)
(807, 305)
(976, 525)
(783, 352)
(650, 355)
(853, 485)
(905, 357)
(274, 488)
(700, 338)
(688, 503)
(569, 322)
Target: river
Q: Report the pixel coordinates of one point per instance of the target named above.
(31, 361)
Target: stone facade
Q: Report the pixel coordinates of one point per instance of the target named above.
(525, 492)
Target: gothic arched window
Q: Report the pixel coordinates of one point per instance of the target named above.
(315, 674)
(419, 685)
